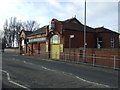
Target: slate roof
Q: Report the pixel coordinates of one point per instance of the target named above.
(71, 19)
(103, 30)
(69, 25)
(41, 30)
(28, 32)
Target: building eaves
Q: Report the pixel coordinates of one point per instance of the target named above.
(39, 31)
(104, 30)
(70, 20)
(77, 27)
(28, 33)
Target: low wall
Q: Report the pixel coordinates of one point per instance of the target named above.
(109, 57)
(12, 50)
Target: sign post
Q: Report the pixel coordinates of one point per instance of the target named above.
(71, 36)
(85, 34)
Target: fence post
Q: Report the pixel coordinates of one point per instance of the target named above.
(65, 56)
(47, 55)
(114, 62)
(93, 59)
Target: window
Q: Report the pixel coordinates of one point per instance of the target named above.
(55, 39)
(112, 40)
(99, 42)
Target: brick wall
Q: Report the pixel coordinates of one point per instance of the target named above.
(78, 40)
(106, 39)
(99, 56)
(36, 49)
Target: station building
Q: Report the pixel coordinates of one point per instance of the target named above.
(59, 35)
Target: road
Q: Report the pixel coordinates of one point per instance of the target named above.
(34, 72)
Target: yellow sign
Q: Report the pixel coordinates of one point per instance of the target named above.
(55, 51)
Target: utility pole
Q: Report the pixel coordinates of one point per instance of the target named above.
(85, 33)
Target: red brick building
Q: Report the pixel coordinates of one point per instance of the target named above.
(22, 40)
(57, 36)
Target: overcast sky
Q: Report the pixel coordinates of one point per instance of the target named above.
(99, 12)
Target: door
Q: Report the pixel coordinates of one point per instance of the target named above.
(55, 51)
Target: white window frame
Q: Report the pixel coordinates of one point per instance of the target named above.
(112, 42)
(55, 39)
(98, 42)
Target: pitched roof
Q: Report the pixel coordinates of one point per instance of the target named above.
(28, 32)
(39, 31)
(103, 29)
(72, 20)
(75, 25)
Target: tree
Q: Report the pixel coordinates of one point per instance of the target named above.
(13, 28)
(1, 36)
(7, 34)
(3, 44)
(19, 27)
(30, 25)
(10, 31)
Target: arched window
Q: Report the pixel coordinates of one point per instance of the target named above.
(55, 39)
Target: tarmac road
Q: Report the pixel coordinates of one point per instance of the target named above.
(34, 72)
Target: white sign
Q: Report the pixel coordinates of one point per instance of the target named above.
(37, 39)
(72, 36)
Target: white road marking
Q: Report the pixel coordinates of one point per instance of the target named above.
(8, 78)
(47, 68)
(70, 75)
(65, 73)
(92, 82)
(27, 62)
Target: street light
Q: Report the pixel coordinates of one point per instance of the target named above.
(85, 34)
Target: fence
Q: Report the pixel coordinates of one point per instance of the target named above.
(112, 61)
(93, 59)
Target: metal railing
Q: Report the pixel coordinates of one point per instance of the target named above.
(111, 61)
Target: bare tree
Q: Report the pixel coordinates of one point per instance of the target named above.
(19, 27)
(10, 31)
(7, 33)
(30, 25)
(13, 28)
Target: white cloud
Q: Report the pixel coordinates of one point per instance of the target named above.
(103, 14)
(72, 0)
(98, 13)
(54, 3)
(42, 20)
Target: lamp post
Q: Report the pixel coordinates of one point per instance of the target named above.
(84, 34)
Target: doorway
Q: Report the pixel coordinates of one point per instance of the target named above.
(55, 47)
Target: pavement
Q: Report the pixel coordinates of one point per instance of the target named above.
(35, 72)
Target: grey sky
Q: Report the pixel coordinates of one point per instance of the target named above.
(99, 13)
